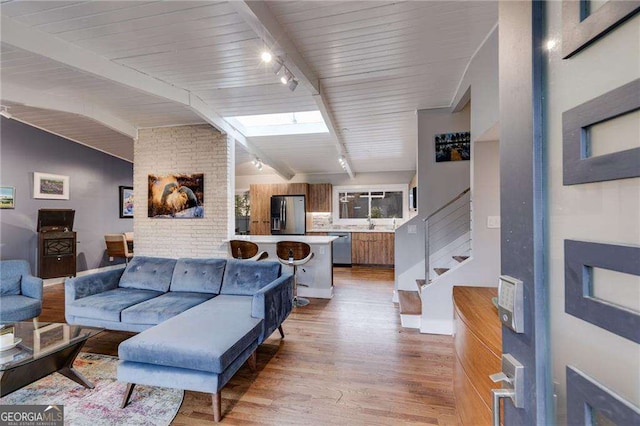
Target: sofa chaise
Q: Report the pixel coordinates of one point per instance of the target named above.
(199, 320)
(20, 292)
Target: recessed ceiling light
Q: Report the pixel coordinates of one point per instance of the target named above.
(266, 56)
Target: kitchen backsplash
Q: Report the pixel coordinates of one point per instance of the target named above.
(323, 221)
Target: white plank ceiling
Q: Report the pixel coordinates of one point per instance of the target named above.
(378, 62)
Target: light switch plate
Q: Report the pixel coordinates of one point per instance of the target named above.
(493, 222)
(412, 229)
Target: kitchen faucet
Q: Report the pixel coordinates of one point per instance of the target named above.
(371, 224)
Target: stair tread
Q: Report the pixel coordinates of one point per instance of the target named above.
(410, 303)
(440, 271)
(420, 283)
(460, 258)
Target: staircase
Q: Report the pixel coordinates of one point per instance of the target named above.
(447, 246)
(448, 236)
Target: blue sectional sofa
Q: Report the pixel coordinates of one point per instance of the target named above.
(20, 292)
(200, 319)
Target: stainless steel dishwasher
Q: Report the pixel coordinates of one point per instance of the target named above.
(341, 248)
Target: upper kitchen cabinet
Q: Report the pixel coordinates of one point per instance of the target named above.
(319, 197)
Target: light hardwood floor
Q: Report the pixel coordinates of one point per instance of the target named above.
(344, 361)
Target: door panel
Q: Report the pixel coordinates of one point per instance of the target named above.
(555, 230)
(593, 222)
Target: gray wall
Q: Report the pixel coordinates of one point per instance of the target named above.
(94, 180)
(438, 183)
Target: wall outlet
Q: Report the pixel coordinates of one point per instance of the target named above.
(322, 250)
(412, 229)
(493, 222)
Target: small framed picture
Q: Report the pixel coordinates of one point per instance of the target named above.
(7, 197)
(50, 187)
(126, 202)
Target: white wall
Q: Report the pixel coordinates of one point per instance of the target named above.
(438, 183)
(480, 84)
(184, 149)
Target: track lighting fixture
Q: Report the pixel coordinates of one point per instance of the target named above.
(277, 66)
(343, 162)
(286, 77)
(4, 112)
(266, 57)
(257, 162)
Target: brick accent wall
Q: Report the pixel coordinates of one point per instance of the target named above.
(184, 149)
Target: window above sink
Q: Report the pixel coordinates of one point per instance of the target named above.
(370, 204)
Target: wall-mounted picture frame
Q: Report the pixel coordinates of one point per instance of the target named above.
(50, 187)
(7, 197)
(126, 202)
(176, 196)
(453, 146)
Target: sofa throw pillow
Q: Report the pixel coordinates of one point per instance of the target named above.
(246, 277)
(148, 273)
(198, 275)
(11, 285)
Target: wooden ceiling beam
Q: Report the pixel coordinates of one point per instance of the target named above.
(40, 43)
(260, 18)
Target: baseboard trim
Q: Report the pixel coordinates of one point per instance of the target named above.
(437, 327)
(394, 298)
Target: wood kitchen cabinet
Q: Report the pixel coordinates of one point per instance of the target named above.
(320, 195)
(372, 248)
(260, 211)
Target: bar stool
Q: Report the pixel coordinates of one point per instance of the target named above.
(294, 253)
(241, 249)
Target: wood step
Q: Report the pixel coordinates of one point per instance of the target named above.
(440, 271)
(420, 283)
(410, 303)
(460, 258)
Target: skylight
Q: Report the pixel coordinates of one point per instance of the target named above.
(290, 123)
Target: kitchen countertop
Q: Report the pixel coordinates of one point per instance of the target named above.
(381, 229)
(272, 239)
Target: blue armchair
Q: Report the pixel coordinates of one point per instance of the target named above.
(20, 292)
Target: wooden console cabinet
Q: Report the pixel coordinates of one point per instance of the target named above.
(56, 254)
(56, 243)
(478, 344)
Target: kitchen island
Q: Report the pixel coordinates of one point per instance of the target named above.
(315, 278)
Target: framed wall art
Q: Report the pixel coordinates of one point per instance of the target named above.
(126, 202)
(176, 196)
(7, 197)
(50, 187)
(453, 146)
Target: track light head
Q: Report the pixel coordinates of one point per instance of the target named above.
(286, 77)
(266, 57)
(276, 65)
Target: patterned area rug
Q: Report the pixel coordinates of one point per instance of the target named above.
(100, 406)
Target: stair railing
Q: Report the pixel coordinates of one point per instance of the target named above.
(446, 225)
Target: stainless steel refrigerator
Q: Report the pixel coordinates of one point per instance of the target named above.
(288, 215)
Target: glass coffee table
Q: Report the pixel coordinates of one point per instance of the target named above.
(41, 348)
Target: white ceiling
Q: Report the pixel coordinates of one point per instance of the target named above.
(110, 67)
